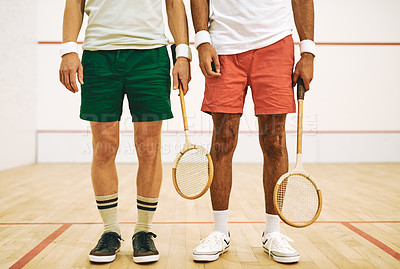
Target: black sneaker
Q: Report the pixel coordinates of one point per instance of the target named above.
(144, 249)
(109, 244)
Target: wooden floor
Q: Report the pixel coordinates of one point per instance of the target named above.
(48, 219)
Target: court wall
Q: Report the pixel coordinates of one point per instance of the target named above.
(351, 113)
(18, 87)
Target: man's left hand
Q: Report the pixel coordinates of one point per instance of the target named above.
(181, 71)
(305, 69)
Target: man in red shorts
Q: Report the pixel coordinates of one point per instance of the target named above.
(249, 43)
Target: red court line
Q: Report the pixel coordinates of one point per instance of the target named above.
(373, 240)
(191, 222)
(47, 241)
(317, 43)
(367, 221)
(42, 245)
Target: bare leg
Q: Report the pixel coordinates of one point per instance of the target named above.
(273, 144)
(149, 175)
(148, 148)
(104, 172)
(224, 140)
(105, 148)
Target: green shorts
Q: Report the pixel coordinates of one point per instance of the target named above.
(143, 75)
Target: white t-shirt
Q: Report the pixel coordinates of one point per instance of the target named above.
(241, 25)
(124, 24)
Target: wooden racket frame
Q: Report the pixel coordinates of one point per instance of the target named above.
(189, 146)
(210, 172)
(298, 169)
(276, 189)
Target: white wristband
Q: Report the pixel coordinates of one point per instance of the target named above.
(183, 50)
(68, 47)
(307, 46)
(202, 37)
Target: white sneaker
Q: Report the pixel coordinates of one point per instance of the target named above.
(277, 245)
(211, 247)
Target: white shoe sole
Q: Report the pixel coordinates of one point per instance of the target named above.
(290, 259)
(102, 259)
(208, 257)
(145, 259)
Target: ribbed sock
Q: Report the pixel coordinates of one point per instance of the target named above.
(221, 221)
(272, 223)
(146, 208)
(107, 206)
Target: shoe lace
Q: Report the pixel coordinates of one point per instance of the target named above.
(145, 239)
(214, 240)
(278, 242)
(106, 240)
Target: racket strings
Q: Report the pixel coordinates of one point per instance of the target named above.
(298, 199)
(192, 172)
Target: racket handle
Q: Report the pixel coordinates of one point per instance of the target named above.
(183, 106)
(300, 98)
(301, 90)
(300, 127)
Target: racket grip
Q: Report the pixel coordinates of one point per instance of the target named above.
(181, 95)
(300, 89)
(213, 67)
(173, 53)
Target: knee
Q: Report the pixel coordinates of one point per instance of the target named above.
(224, 143)
(147, 148)
(105, 149)
(273, 143)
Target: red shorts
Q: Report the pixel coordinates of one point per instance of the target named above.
(268, 72)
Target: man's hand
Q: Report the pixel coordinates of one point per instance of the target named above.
(70, 66)
(207, 55)
(305, 69)
(181, 71)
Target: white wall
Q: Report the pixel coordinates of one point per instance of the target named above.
(17, 82)
(350, 113)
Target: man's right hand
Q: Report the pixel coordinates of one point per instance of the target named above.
(70, 66)
(207, 55)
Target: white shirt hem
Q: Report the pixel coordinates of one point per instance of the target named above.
(240, 48)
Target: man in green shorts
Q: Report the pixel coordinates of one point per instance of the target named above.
(125, 54)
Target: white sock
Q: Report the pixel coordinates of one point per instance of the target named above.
(107, 206)
(221, 221)
(146, 207)
(272, 223)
